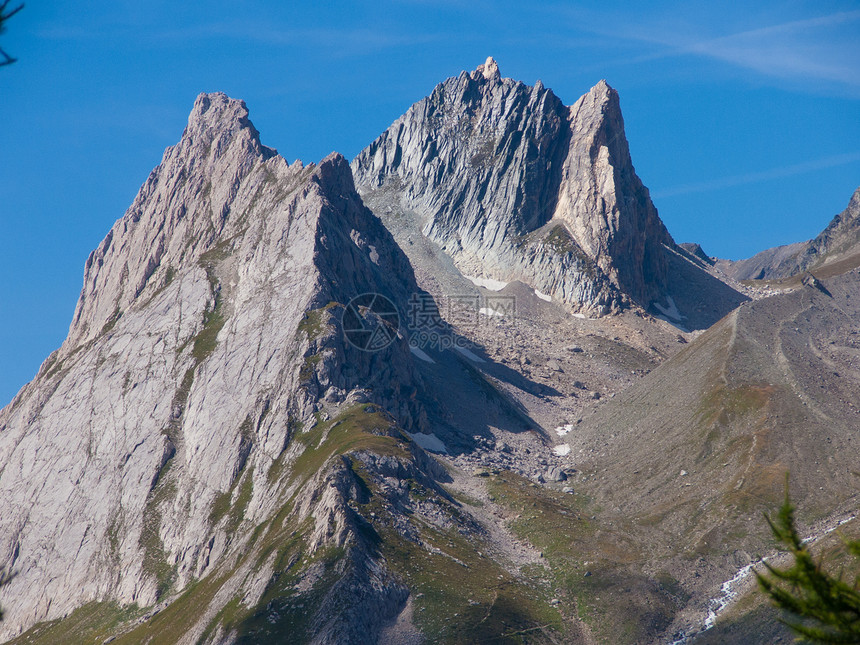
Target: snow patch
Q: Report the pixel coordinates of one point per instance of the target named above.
(487, 283)
(563, 430)
(543, 296)
(671, 311)
(428, 442)
(472, 357)
(561, 449)
(671, 314)
(418, 353)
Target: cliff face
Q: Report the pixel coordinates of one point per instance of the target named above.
(840, 236)
(205, 356)
(514, 185)
(179, 212)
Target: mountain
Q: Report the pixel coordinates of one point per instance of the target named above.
(213, 455)
(231, 444)
(206, 389)
(708, 437)
(451, 392)
(512, 184)
(836, 243)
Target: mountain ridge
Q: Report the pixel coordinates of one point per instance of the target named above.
(838, 240)
(514, 185)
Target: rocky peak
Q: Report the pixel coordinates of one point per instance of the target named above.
(840, 239)
(605, 205)
(218, 126)
(514, 185)
(206, 345)
(843, 229)
(489, 70)
(334, 174)
(854, 202)
(602, 88)
(178, 213)
(218, 112)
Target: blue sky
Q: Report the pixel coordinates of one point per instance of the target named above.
(744, 123)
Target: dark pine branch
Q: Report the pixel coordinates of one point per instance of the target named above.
(5, 14)
(826, 609)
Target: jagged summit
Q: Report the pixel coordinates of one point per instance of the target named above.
(222, 430)
(216, 116)
(514, 185)
(489, 70)
(214, 110)
(180, 210)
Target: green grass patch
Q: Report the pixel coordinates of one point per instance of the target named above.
(276, 470)
(461, 594)
(155, 564)
(174, 622)
(92, 623)
(552, 521)
(307, 370)
(359, 427)
(206, 340)
(559, 240)
(224, 505)
(111, 322)
(169, 625)
(282, 612)
(593, 570)
(54, 367)
(315, 322)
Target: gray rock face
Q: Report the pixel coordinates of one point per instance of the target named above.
(836, 241)
(190, 368)
(514, 185)
(178, 212)
(840, 236)
(697, 252)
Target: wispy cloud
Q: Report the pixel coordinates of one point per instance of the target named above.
(820, 48)
(756, 177)
(798, 48)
